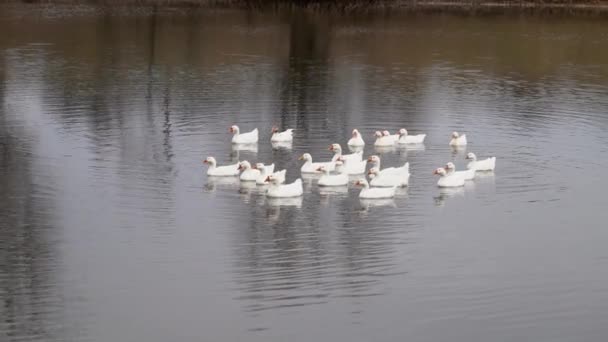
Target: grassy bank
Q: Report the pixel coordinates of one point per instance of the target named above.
(472, 6)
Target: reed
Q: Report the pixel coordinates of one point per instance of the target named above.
(469, 6)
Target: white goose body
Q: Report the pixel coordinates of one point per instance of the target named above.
(275, 189)
(406, 139)
(226, 170)
(394, 137)
(448, 181)
(466, 174)
(488, 164)
(375, 161)
(265, 171)
(337, 149)
(384, 140)
(400, 177)
(356, 140)
(374, 193)
(278, 176)
(285, 136)
(310, 167)
(458, 140)
(328, 179)
(353, 167)
(249, 174)
(243, 138)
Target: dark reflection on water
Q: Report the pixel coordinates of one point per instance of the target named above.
(110, 230)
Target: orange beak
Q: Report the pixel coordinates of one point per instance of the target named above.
(267, 179)
(320, 169)
(205, 161)
(240, 167)
(435, 172)
(331, 147)
(230, 130)
(369, 160)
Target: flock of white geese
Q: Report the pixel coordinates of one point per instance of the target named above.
(335, 173)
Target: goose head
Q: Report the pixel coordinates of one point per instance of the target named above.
(373, 172)
(386, 133)
(373, 159)
(355, 133)
(362, 182)
(471, 156)
(270, 179)
(440, 171)
(403, 132)
(259, 166)
(244, 165)
(306, 156)
(450, 167)
(336, 148)
(323, 169)
(210, 160)
(274, 129)
(234, 129)
(378, 134)
(455, 135)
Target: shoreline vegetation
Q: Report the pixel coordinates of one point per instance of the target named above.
(465, 7)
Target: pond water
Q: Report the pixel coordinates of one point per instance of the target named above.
(110, 229)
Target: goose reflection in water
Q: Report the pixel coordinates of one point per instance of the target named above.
(216, 182)
(284, 202)
(367, 204)
(282, 145)
(446, 193)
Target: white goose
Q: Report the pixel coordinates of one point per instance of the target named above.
(390, 179)
(285, 136)
(227, 170)
(372, 193)
(310, 167)
(276, 189)
(458, 140)
(448, 181)
(338, 179)
(265, 171)
(375, 161)
(337, 149)
(405, 138)
(249, 174)
(450, 168)
(395, 137)
(279, 176)
(353, 167)
(243, 138)
(480, 165)
(356, 140)
(383, 140)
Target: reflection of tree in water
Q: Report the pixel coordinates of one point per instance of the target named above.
(30, 303)
(305, 84)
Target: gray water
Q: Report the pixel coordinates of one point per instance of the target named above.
(110, 229)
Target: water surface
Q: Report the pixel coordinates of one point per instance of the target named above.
(111, 231)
